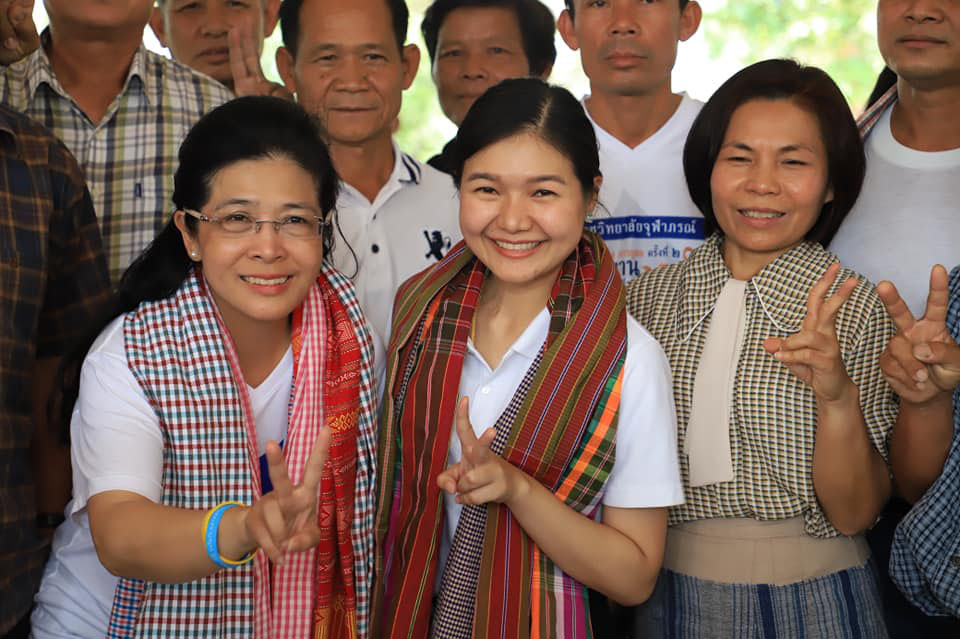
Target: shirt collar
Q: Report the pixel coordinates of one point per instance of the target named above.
(406, 171)
(40, 70)
(530, 341)
(781, 287)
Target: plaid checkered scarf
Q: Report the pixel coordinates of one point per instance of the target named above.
(560, 429)
(184, 359)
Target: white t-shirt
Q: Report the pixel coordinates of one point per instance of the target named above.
(117, 444)
(646, 471)
(907, 217)
(410, 225)
(645, 214)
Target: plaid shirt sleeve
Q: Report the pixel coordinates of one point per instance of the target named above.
(53, 278)
(925, 557)
(861, 354)
(77, 280)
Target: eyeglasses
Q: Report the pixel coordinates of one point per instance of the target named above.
(241, 223)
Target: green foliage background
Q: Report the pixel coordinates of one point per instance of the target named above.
(838, 36)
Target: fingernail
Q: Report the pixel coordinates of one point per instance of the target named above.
(923, 351)
(10, 43)
(921, 375)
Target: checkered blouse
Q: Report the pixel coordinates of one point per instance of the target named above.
(773, 413)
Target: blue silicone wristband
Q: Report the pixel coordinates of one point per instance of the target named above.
(210, 538)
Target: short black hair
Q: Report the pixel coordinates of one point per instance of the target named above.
(569, 5)
(537, 28)
(813, 90)
(290, 22)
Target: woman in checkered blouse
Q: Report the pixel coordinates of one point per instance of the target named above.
(783, 411)
(229, 338)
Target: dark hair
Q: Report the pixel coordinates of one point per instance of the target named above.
(885, 80)
(246, 128)
(569, 5)
(529, 105)
(290, 22)
(537, 28)
(810, 88)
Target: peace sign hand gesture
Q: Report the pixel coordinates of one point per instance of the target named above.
(248, 78)
(922, 360)
(481, 476)
(285, 520)
(18, 33)
(813, 354)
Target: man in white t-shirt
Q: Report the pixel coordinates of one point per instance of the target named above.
(907, 217)
(628, 50)
(347, 63)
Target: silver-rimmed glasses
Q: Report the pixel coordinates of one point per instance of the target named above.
(241, 223)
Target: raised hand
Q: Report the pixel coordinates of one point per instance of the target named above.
(18, 33)
(481, 476)
(813, 354)
(922, 360)
(248, 78)
(285, 520)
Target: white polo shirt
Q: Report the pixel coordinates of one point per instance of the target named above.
(410, 225)
(645, 214)
(646, 468)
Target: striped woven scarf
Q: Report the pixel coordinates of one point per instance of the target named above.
(561, 429)
(185, 361)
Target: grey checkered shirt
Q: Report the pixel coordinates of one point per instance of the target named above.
(128, 159)
(773, 414)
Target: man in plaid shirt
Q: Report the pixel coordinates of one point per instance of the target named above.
(53, 278)
(120, 109)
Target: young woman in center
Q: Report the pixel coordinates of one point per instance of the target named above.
(783, 410)
(527, 442)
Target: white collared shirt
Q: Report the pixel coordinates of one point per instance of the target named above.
(646, 470)
(409, 226)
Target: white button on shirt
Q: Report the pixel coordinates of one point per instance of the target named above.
(645, 472)
(410, 225)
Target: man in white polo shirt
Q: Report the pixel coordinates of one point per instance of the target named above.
(628, 50)
(346, 62)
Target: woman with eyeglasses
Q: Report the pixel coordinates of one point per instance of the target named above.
(223, 425)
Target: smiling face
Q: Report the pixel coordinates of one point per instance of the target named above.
(196, 31)
(349, 69)
(769, 182)
(522, 211)
(920, 41)
(628, 47)
(257, 280)
(477, 47)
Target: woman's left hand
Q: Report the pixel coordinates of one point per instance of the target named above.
(481, 476)
(813, 354)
